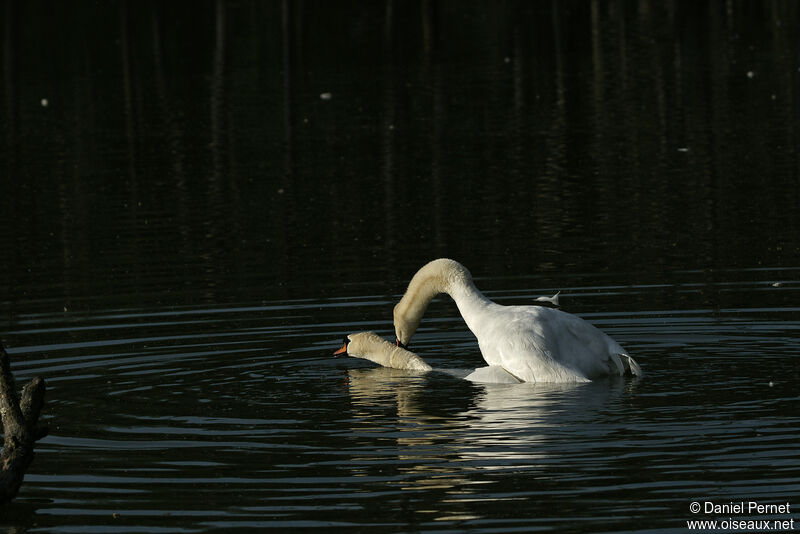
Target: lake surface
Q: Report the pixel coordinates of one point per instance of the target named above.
(200, 200)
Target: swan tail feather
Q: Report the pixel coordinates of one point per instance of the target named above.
(616, 364)
(630, 365)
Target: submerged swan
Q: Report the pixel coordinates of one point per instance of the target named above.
(372, 347)
(532, 343)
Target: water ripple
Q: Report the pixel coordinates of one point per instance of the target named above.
(246, 404)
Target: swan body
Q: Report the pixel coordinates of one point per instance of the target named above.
(531, 343)
(370, 346)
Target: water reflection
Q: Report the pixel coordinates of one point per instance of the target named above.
(188, 225)
(244, 401)
(564, 130)
(447, 431)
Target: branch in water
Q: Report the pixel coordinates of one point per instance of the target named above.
(20, 425)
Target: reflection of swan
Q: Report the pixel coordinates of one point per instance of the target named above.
(372, 347)
(455, 440)
(444, 423)
(533, 343)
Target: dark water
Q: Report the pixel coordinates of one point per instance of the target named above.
(200, 199)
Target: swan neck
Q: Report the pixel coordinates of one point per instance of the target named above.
(419, 294)
(439, 276)
(398, 358)
(426, 284)
(472, 304)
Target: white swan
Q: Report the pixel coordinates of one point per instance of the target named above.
(532, 343)
(370, 346)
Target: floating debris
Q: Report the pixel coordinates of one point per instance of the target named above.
(326, 96)
(683, 149)
(777, 284)
(44, 102)
(750, 74)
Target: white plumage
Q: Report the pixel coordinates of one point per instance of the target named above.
(372, 347)
(532, 343)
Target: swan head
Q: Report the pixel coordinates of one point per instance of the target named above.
(363, 344)
(404, 326)
(372, 347)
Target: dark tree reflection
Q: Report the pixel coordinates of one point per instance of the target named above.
(187, 146)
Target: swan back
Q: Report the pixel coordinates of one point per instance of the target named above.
(437, 276)
(371, 346)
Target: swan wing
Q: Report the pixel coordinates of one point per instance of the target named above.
(631, 366)
(546, 345)
(521, 342)
(492, 374)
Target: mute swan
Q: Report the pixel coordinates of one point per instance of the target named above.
(532, 343)
(370, 346)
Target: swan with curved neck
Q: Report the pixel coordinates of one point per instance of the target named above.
(532, 343)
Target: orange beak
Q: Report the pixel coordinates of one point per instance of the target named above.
(343, 350)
